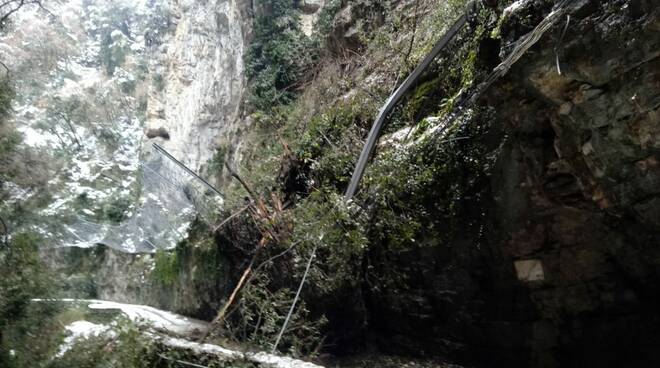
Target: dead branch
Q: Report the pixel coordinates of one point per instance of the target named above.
(7, 71)
(225, 307)
(266, 221)
(225, 221)
(72, 130)
(243, 183)
(414, 32)
(410, 46)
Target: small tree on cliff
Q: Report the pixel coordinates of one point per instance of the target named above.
(279, 56)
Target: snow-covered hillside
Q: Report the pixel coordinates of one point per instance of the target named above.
(92, 77)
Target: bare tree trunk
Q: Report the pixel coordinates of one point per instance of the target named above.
(71, 129)
(243, 183)
(230, 301)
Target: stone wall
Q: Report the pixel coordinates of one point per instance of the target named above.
(566, 270)
(582, 193)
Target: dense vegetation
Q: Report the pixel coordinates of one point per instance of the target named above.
(280, 55)
(289, 74)
(314, 95)
(412, 199)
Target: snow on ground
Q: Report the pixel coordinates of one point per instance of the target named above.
(36, 138)
(82, 329)
(15, 192)
(270, 360)
(160, 319)
(169, 322)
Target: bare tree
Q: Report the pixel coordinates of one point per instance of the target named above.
(9, 7)
(65, 121)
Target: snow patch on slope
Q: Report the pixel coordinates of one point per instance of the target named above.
(157, 318)
(82, 330)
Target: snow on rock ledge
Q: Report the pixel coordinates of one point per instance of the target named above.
(82, 329)
(266, 359)
(171, 323)
(162, 320)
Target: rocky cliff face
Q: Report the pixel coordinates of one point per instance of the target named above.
(123, 75)
(202, 70)
(581, 198)
(549, 257)
(96, 84)
(566, 272)
(192, 280)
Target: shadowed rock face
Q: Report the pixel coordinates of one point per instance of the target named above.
(311, 6)
(160, 132)
(196, 289)
(585, 148)
(568, 272)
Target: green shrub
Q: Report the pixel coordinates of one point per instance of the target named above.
(279, 56)
(22, 277)
(128, 349)
(115, 211)
(6, 96)
(33, 337)
(261, 314)
(9, 138)
(326, 17)
(332, 142)
(111, 55)
(323, 220)
(167, 267)
(423, 190)
(159, 82)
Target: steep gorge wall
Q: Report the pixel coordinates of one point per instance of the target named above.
(559, 266)
(580, 188)
(203, 77)
(96, 82)
(554, 258)
(193, 104)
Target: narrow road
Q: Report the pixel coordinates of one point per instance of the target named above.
(162, 320)
(171, 324)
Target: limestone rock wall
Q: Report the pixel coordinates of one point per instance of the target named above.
(202, 68)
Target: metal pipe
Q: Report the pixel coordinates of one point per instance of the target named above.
(184, 167)
(391, 102)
